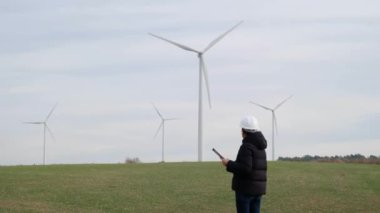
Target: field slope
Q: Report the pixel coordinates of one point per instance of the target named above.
(185, 187)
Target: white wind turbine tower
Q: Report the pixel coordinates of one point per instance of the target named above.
(274, 119)
(45, 128)
(162, 126)
(202, 72)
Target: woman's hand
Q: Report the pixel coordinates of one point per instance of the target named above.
(225, 161)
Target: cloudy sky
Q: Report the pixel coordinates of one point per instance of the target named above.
(96, 59)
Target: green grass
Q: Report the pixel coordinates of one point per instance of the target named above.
(186, 187)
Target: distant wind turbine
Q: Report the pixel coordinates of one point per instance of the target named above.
(274, 119)
(45, 128)
(202, 72)
(162, 126)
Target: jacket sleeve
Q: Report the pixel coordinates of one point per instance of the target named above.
(243, 163)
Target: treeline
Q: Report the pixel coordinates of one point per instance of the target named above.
(356, 158)
(129, 160)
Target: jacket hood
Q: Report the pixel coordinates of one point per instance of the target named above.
(257, 139)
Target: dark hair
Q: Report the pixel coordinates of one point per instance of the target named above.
(246, 132)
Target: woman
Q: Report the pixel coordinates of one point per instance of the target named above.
(250, 167)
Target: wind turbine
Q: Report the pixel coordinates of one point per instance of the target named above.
(274, 119)
(202, 72)
(45, 128)
(162, 126)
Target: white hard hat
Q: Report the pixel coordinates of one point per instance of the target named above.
(249, 122)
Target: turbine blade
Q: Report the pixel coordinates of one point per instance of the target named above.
(220, 37)
(159, 128)
(51, 111)
(172, 119)
(205, 74)
(50, 132)
(158, 112)
(32, 122)
(275, 123)
(175, 43)
(282, 102)
(267, 108)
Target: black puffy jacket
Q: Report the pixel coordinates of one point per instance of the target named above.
(250, 168)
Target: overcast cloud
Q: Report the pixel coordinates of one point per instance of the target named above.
(96, 59)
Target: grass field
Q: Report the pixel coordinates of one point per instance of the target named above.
(186, 187)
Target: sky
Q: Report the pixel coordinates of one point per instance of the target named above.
(98, 62)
